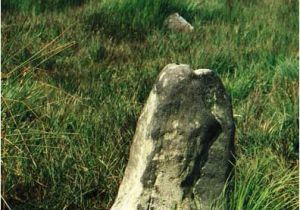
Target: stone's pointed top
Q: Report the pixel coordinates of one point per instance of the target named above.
(203, 71)
(184, 68)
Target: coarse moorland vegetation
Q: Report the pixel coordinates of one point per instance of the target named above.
(76, 73)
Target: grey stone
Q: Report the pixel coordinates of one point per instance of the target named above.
(177, 23)
(181, 151)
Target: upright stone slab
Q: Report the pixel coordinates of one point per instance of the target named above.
(176, 22)
(180, 154)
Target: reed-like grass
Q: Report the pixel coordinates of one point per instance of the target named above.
(261, 181)
(73, 86)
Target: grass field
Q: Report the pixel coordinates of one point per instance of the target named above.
(76, 73)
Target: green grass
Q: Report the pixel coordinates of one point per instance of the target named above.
(135, 19)
(76, 74)
(38, 6)
(262, 181)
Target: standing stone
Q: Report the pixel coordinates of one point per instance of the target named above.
(180, 154)
(177, 23)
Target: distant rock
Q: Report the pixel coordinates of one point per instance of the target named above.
(177, 23)
(181, 151)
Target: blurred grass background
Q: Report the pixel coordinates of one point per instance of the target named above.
(76, 73)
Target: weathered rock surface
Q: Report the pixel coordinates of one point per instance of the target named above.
(177, 23)
(180, 153)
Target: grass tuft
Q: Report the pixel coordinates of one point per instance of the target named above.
(261, 181)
